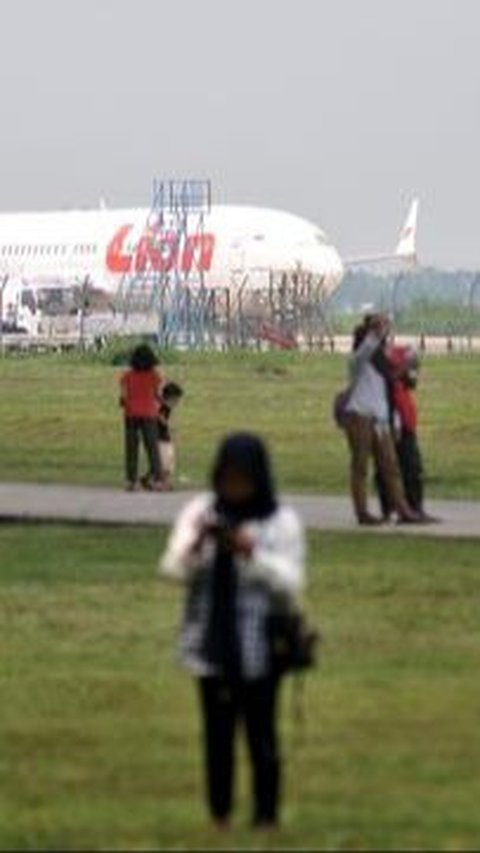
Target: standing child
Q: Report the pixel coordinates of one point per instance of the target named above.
(140, 395)
(171, 396)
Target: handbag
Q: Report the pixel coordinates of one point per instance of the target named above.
(292, 640)
(340, 403)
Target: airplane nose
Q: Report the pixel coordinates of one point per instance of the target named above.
(335, 272)
(337, 264)
(325, 261)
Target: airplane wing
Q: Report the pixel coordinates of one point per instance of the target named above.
(405, 251)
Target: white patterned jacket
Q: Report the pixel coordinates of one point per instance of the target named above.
(277, 566)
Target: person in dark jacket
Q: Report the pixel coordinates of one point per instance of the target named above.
(236, 549)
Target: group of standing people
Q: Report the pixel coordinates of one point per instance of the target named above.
(148, 400)
(240, 554)
(380, 421)
(238, 550)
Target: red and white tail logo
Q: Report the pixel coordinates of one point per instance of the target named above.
(406, 247)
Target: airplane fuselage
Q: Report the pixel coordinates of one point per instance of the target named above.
(108, 244)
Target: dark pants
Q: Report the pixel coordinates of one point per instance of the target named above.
(146, 428)
(411, 469)
(223, 707)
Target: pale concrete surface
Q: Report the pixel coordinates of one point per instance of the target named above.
(80, 504)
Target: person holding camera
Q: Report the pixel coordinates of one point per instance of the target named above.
(236, 550)
(367, 421)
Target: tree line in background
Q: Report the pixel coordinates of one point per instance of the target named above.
(424, 300)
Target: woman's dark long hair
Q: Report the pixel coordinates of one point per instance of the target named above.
(360, 332)
(143, 358)
(247, 453)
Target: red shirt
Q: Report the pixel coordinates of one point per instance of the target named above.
(406, 405)
(140, 390)
(403, 397)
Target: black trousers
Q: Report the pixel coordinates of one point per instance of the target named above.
(411, 466)
(412, 471)
(223, 706)
(146, 428)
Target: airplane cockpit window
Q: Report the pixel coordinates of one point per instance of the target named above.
(321, 238)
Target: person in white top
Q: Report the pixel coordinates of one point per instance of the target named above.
(367, 422)
(235, 550)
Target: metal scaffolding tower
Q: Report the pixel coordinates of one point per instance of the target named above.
(172, 255)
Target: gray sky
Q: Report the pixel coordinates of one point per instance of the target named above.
(338, 110)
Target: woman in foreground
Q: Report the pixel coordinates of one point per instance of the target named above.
(236, 549)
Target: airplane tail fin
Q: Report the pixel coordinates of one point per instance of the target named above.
(407, 244)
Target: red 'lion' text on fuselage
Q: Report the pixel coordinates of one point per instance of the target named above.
(159, 251)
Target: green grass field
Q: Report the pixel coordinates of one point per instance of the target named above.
(59, 419)
(99, 728)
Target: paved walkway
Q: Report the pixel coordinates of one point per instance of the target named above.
(80, 504)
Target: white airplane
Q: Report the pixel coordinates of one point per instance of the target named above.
(51, 251)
